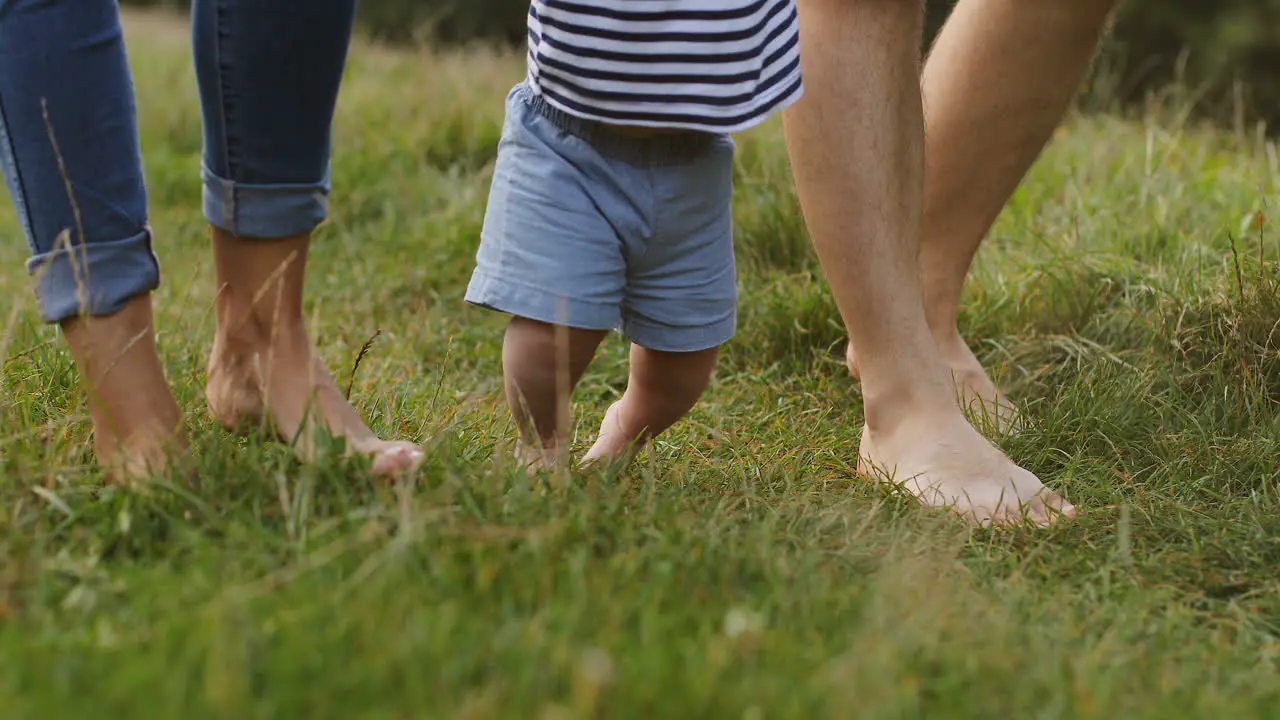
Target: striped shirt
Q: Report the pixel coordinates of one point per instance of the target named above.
(712, 65)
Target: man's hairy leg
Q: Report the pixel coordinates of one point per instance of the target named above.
(999, 79)
(856, 142)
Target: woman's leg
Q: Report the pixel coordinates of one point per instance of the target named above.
(69, 151)
(269, 72)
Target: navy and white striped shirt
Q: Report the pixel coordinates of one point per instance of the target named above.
(711, 65)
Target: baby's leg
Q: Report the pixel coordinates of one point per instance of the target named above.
(681, 300)
(663, 387)
(541, 365)
(552, 256)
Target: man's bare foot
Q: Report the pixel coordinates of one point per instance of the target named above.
(137, 427)
(975, 391)
(255, 379)
(944, 462)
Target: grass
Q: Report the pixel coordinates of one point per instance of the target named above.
(1128, 297)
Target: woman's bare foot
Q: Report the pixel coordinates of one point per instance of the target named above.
(975, 391)
(282, 384)
(263, 368)
(944, 462)
(136, 423)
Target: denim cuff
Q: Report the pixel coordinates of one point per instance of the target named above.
(264, 211)
(94, 279)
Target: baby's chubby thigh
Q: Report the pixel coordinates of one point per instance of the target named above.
(682, 287)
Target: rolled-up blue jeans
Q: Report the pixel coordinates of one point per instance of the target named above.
(268, 73)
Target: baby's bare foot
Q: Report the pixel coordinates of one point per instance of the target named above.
(614, 441)
(975, 391)
(534, 458)
(280, 380)
(610, 445)
(944, 462)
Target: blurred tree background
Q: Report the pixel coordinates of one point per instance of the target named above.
(1226, 52)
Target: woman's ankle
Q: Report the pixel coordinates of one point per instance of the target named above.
(136, 419)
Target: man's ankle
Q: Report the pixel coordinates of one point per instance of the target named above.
(887, 409)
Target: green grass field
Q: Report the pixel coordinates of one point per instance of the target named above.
(1128, 298)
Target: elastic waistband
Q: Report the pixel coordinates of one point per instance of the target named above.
(665, 148)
